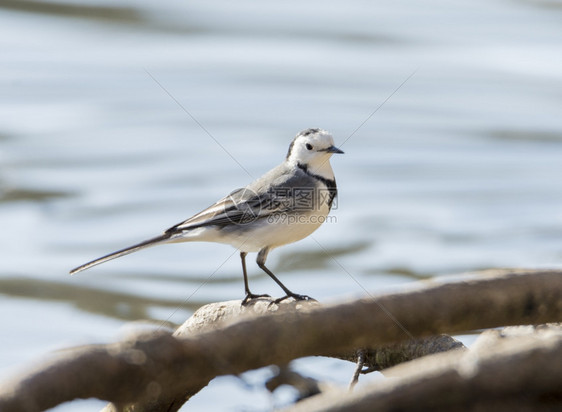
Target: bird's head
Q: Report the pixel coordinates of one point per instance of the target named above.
(313, 148)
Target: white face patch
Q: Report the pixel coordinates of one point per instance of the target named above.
(310, 146)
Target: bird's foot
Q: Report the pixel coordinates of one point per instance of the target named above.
(250, 296)
(294, 296)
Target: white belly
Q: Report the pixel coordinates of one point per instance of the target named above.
(272, 231)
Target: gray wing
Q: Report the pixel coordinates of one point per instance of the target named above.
(276, 192)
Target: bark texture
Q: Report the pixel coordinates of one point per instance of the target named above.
(160, 371)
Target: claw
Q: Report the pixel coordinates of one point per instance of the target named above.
(296, 297)
(250, 296)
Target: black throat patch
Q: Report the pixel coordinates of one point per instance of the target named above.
(330, 183)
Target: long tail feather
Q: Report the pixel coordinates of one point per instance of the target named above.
(147, 243)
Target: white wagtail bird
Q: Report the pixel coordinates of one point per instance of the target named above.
(283, 206)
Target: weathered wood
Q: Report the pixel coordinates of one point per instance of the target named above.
(518, 374)
(157, 367)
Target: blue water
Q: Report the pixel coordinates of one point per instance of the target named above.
(124, 118)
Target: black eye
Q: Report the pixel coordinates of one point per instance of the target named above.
(309, 146)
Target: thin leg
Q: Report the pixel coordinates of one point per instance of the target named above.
(262, 256)
(243, 258)
(249, 295)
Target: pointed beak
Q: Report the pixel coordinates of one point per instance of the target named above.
(332, 149)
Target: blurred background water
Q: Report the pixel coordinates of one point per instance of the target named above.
(109, 111)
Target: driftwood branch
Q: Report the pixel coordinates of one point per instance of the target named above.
(217, 315)
(161, 369)
(522, 374)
